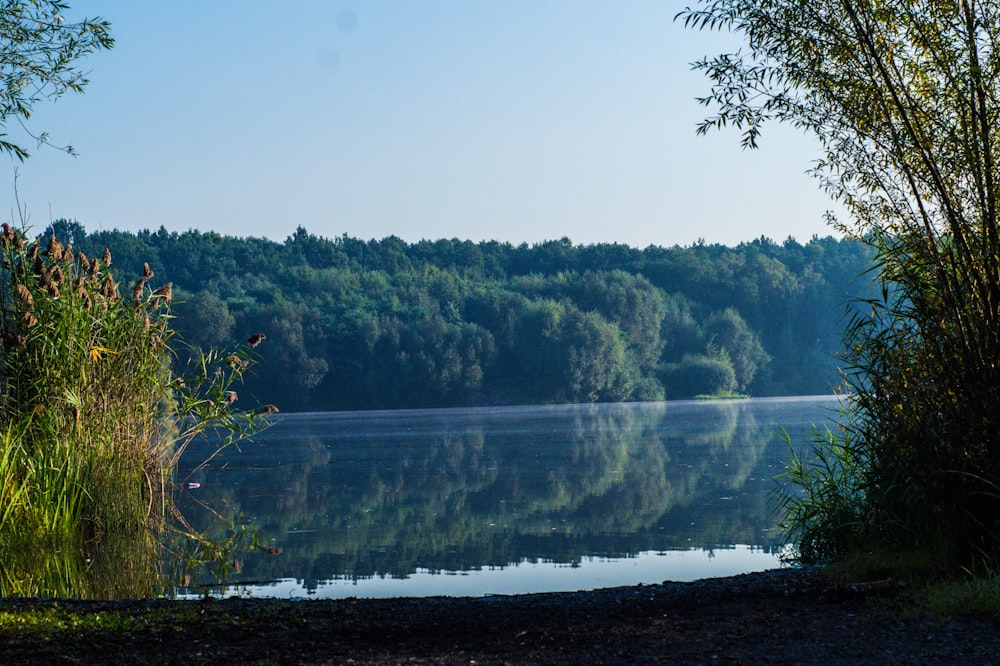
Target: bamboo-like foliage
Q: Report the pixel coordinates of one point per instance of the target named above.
(92, 420)
(905, 100)
(39, 50)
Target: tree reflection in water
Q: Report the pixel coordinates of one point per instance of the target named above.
(320, 497)
(355, 495)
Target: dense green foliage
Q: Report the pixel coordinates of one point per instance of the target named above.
(904, 99)
(93, 417)
(82, 373)
(357, 324)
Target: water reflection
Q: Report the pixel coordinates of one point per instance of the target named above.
(119, 566)
(356, 496)
(141, 561)
(472, 501)
(525, 577)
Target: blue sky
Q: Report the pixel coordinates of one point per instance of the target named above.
(520, 120)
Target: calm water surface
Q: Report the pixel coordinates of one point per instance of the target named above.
(501, 500)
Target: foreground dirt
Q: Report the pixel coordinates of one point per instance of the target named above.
(778, 617)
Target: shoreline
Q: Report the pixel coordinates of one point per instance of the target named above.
(519, 578)
(776, 616)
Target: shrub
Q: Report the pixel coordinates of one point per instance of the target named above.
(699, 374)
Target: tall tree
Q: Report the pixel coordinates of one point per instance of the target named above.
(39, 49)
(904, 99)
(728, 331)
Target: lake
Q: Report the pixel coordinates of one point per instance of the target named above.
(498, 500)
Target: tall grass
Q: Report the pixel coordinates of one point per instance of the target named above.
(823, 501)
(913, 474)
(92, 417)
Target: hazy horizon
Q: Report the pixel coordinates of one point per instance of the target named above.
(514, 121)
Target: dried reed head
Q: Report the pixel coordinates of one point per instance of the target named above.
(29, 320)
(10, 238)
(146, 271)
(54, 249)
(137, 291)
(107, 257)
(109, 290)
(24, 294)
(164, 294)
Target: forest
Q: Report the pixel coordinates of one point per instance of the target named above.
(386, 324)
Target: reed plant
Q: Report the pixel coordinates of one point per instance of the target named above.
(912, 475)
(823, 497)
(906, 107)
(93, 418)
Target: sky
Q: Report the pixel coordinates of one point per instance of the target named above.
(518, 121)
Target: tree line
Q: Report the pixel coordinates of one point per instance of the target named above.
(381, 324)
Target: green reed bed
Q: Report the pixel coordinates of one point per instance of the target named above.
(92, 416)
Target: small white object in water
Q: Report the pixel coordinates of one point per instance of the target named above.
(194, 485)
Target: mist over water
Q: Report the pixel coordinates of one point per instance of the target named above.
(501, 500)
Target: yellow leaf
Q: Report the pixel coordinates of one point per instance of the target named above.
(97, 353)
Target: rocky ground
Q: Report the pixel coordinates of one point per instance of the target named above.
(779, 617)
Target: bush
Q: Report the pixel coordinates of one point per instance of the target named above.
(698, 375)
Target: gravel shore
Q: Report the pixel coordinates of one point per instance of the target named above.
(786, 616)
